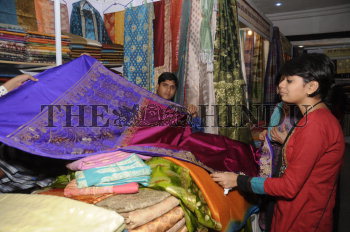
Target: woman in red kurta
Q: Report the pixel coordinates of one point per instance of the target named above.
(312, 153)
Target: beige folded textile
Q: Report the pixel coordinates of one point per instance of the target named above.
(178, 226)
(142, 216)
(129, 202)
(162, 223)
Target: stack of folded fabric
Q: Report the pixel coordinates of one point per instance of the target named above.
(148, 210)
(108, 173)
(79, 45)
(112, 54)
(42, 49)
(12, 43)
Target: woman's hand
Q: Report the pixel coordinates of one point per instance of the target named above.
(279, 134)
(225, 179)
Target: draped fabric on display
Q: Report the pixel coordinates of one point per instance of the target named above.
(158, 33)
(86, 21)
(8, 13)
(30, 125)
(45, 16)
(114, 23)
(175, 16)
(26, 14)
(182, 51)
(138, 46)
(257, 83)
(274, 63)
(228, 79)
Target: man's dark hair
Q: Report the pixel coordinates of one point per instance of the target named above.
(312, 67)
(167, 76)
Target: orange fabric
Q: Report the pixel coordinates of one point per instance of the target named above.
(224, 209)
(91, 199)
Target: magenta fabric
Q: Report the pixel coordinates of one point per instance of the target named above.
(222, 153)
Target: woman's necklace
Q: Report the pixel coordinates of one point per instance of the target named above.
(308, 110)
(284, 158)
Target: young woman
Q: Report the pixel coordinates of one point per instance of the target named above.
(312, 152)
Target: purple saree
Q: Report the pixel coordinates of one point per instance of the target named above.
(81, 108)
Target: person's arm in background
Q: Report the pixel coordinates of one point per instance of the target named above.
(15, 83)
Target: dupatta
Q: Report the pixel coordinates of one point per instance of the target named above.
(82, 108)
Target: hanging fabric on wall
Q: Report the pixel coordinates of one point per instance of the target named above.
(158, 33)
(274, 63)
(193, 71)
(228, 80)
(8, 13)
(206, 43)
(257, 83)
(182, 51)
(248, 57)
(167, 43)
(175, 17)
(45, 16)
(138, 46)
(86, 21)
(26, 14)
(114, 23)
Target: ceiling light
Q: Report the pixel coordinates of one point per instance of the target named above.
(300, 46)
(250, 32)
(278, 4)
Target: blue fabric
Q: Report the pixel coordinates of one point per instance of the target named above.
(196, 125)
(76, 23)
(131, 167)
(275, 118)
(257, 185)
(8, 13)
(138, 48)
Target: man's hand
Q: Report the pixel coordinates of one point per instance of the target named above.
(18, 81)
(225, 179)
(193, 110)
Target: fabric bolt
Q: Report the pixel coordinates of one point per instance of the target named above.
(176, 180)
(26, 14)
(130, 167)
(8, 13)
(143, 180)
(99, 160)
(124, 203)
(163, 222)
(178, 225)
(158, 33)
(34, 212)
(46, 19)
(142, 216)
(138, 46)
(72, 189)
(86, 21)
(248, 58)
(220, 205)
(228, 79)
(175, 17)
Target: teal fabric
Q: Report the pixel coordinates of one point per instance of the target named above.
(206, 43)
(131, 167)
(8, 13)
(257, 185)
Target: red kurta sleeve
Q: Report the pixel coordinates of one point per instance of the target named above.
(305, 147)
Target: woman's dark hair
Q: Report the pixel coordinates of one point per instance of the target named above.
(167, 76)
(312, 67)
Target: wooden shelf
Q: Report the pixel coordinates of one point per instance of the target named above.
(25, 65)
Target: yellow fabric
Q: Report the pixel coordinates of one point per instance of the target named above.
(119, 27)
(224, 209)
(34, 212)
